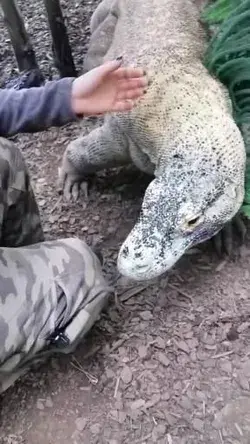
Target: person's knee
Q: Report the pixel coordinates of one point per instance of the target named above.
(12, 165)
(78, 256)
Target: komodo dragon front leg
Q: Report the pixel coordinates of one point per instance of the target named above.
(104, 147)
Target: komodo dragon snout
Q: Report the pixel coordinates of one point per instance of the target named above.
(181, 208)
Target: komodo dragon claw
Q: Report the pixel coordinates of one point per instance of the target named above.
(223, 241)
(70, 182)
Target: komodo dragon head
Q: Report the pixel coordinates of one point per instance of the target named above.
(198, 188)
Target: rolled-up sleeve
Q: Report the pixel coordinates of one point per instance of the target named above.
(36, 109)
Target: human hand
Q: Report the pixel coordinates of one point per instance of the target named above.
(108, 88)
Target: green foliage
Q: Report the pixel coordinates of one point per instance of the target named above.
(228, 58)
(219, 11)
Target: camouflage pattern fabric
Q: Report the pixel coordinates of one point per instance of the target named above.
(51, 292)
(19, 215)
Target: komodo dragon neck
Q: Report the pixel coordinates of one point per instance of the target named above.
(157, 33)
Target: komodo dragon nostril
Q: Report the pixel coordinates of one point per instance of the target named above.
(138, 255)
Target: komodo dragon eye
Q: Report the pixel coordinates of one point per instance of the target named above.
(194, 221)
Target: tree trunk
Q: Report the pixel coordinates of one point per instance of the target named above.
(61, 47)
(25, 55)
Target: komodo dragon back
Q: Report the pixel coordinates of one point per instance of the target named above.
(182, 131)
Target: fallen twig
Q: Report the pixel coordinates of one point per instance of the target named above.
(117, 386)
(181, 292)
(76, 364)
(221, 437)
(132, 292)
(222, 355)
(169, 437)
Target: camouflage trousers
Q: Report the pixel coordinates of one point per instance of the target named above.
(51, 292)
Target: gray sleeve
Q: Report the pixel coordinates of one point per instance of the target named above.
(36, 109)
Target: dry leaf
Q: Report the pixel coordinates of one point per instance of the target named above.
(138, 404)
(183, 346)
(126, 375)
(163, 359)
(142, 351)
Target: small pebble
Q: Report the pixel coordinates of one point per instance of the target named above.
(39, 405)
(163, 359)
(49, 402)
(80, 424)
(146, 315)
(198, 425)
(126, 375)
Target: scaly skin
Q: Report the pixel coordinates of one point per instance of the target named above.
(182, 132)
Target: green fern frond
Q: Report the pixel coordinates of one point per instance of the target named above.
(228, 59)
(219, 11)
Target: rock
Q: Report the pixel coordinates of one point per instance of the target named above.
(142, 351)
(158, 432)
(154, 400)
(198, 425)
(80, 424)
(163, 359)
(160, 343)
(126, 375)
(226, 366)
(182, 346)
(192, 343)
(186, 404)
(122, 417)
(49, 402)
(209, 363)
(246, 368)
(138, 404)
(39, 405)
(243, 382)
(114, 414)
(110, 373)
(95, 429)
(165, 396)
(146, 315)
(177, 386)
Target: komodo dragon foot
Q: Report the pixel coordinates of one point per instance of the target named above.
(223, 241)
(70, 183)
(102, 148)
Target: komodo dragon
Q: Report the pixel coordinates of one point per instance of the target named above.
(182, 132)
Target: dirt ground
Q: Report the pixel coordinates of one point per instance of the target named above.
(168, 364)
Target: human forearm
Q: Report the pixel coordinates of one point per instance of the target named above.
(36, 109)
